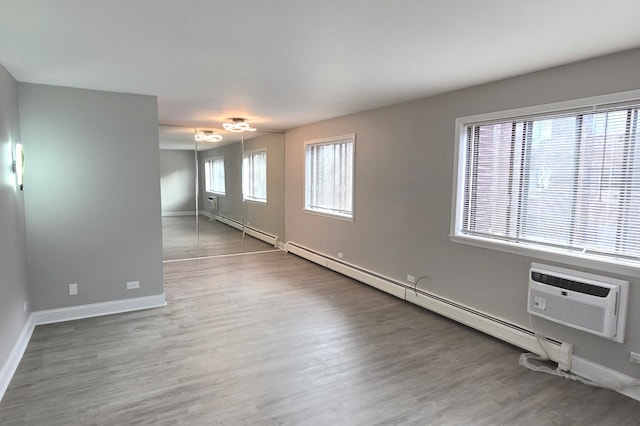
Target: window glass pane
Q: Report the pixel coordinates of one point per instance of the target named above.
(214, 176)
(570, 181)
(547, 204)
(329, 177)
(254, 176)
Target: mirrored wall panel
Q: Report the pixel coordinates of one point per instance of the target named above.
(220, 198)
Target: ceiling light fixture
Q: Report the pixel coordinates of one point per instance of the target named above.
(238, 125)
(207, 136)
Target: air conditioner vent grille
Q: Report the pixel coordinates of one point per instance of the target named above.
(567, 284)
(582, 315)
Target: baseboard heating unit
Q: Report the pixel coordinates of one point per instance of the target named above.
(558, 351)
(249, 230)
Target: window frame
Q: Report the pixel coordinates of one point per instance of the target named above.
(208, 162)
(245, 197)
(332, 140)
(548, 253)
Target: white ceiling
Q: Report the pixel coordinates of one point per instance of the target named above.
(285, 63)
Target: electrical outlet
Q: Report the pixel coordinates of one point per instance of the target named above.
(25, 306)
(73, 289)
(133, 285)
(411, 278)
(634, 357)
(340, 255)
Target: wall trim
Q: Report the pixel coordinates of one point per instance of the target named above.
(170, 214)
(560, 352)
(618, 381)
(205, 213)
(11, 364)
(69, 313)
(249, 230)
(50, 316)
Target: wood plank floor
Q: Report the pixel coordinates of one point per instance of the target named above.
(271, 339)
(179, 239)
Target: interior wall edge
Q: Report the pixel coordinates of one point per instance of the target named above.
(13, 361)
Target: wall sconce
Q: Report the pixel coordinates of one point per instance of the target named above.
(18, 165)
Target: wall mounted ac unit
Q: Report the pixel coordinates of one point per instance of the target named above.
(212, 204)
(587, 302)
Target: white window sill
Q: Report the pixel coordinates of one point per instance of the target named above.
(330, 215)
(254, 201)
(584, 260)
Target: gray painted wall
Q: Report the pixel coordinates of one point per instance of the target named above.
(92, 202)
(269, 217)
(403, 182)
(265, 217)
(13, 249)
(177, 181)
(230, 204)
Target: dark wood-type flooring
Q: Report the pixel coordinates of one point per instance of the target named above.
(271, 339)
(180, 240)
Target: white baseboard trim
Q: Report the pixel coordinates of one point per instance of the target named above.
(381, 282)
(598, 373)
(98, 309)
(250, 230)
(560, 352)
(11, 364)
(50, 316)
(205, 213)
(488, 324)
(170, 214)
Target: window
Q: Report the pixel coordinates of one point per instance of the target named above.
(254, 176)
(329, 176)
(214, 176)
(565, 182)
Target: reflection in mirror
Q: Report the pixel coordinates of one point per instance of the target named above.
(203, 210)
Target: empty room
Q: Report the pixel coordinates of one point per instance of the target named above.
(300, 212)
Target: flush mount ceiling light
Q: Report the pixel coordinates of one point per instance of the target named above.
(238, 125)
(207, 136)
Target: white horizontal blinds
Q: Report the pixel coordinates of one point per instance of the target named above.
(330, 177)
(254, 179)
(217, 182)
(570, 181)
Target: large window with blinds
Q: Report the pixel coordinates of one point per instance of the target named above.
(214, 176)
(254, 176)
(329, 176)
(566, 181)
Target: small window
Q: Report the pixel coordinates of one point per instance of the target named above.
(214, 176)
(254, 176)
(564, 182)
(329, 176)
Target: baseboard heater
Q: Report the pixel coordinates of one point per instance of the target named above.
(249, 230)
(521, 337)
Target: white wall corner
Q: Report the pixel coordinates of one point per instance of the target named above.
(11, 364)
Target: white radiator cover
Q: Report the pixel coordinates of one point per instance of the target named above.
(587, 302)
